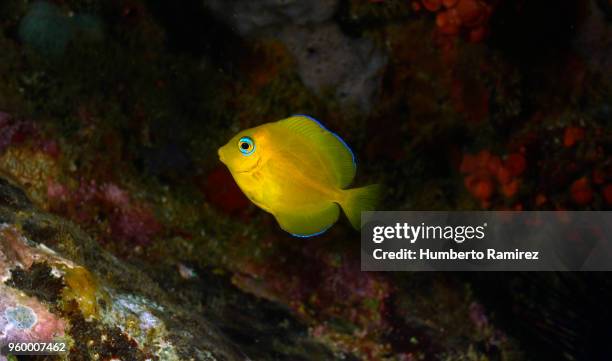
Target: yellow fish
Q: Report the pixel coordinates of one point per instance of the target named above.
(298, 171)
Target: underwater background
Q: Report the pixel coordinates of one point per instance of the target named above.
(122, 233)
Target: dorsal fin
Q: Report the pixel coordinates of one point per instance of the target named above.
(338, 156)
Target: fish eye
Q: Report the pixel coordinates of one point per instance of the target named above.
(246, 145)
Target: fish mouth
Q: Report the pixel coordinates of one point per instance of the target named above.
(221, 156)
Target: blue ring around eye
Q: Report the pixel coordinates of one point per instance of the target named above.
(248, 141)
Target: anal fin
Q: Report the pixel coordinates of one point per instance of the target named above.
(308, 220)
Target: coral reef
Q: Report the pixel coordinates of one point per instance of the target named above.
(26, 319)
(484, 171)
(456, 16)
(97, 319)
(123, 234)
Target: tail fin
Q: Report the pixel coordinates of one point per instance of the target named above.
(358, 200)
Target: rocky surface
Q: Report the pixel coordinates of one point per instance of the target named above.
(249, 18)
(328, 61)
(58, 284)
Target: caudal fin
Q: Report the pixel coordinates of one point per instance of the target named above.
(359, 200)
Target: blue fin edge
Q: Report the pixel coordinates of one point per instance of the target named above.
(334, 134)
(310, 235)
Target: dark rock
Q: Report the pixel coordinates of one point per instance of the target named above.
(329, 60)
(252, 17)
(37, 282)
(112, 309)
(12, 197)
